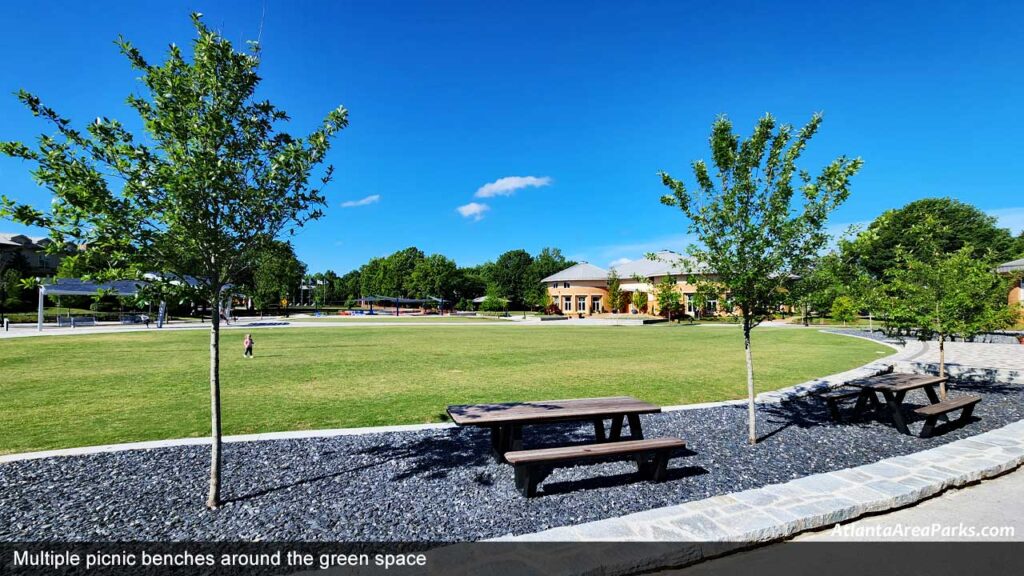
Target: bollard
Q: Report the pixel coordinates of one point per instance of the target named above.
(7, 324)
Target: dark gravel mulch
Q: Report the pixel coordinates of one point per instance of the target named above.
(438, 485)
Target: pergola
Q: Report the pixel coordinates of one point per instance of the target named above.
(398, 301)
(78, 287)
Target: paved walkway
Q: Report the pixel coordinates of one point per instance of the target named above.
(970, 361)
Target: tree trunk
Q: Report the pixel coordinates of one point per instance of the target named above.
(213, 501)
(942, 366)
(806, 312)
(750, 382)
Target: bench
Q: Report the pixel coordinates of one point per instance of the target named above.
(833, 397)
(933, 412)
(533, 466)
(83, 321)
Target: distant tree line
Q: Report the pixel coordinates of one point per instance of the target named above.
(513, 279)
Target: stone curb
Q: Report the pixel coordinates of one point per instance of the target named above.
(799, 390)
(780, 511)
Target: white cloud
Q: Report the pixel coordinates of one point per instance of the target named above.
(619, 262)
(1012, 218)
(372, 199)
(509, 184)
(473, 210)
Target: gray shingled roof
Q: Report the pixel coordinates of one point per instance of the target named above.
(1015, 266)
(666, 262)
(578, 272)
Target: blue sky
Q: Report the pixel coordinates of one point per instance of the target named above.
(568, 109)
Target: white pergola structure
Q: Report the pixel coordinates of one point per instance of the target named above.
(77, 287)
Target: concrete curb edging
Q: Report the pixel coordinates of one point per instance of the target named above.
(799, 390)
(780, 511)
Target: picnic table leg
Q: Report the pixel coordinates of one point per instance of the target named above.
(862, 402)
(599, 430)
(616, 433)
(516, 437)
(503, 439)
(934, 399)
(893, 401)
(635, 431)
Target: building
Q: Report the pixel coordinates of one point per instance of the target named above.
(1015, 268)
(33, 250)
(583, 288)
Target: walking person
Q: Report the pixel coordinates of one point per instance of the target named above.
(248, 345)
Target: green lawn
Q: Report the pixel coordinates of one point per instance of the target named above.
(96, 389)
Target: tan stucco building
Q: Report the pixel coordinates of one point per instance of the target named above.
(1015, 268)
(583, 288)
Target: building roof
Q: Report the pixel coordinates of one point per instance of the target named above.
(1015, 266)
(665, 263)
(578, 272)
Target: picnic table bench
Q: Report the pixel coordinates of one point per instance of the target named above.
(894, 389)
(506, 421)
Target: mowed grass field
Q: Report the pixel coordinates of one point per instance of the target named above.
(67, 391)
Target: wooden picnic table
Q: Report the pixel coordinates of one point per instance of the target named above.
(894, 387)
(506, 420)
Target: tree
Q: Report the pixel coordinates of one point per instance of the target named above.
(844, 309)
(211, 183)
(754, 235)
(878, 248)
(436, 276)
(494, 301)
(513, 275)
(950, 295)
(276, 272)
(639, 296)
(614, 292)
(667, 296)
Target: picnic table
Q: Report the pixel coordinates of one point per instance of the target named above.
(894, 387)
(506, 421)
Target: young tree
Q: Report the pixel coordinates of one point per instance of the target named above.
(212, 182)
(953, 295)
(639, 296)
(614, 292)
(667, 296)
(844, 309)
(754, 235)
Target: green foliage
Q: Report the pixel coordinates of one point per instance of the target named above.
(435, 276)
(667, 297)
(640, 301)
(614, 292)
(899, 233)
(513, 274)
(277, 272)
(494, 301)
(952, 295)
(844, 309)
(754, 231)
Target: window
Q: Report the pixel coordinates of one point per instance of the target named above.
(565, 284)
(567, 303)
(689, 305)
(711, 307)
(581, 303)
(554, 284)
(595, 304)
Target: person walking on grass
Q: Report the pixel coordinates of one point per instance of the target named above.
(248, 345)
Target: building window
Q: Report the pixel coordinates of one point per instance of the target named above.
(581, 303)
(595, 304)
(689, 304)
(565, 284)
(711, 307)
(554, 284)
(567, 303)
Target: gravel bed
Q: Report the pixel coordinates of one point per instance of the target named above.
(437, 485)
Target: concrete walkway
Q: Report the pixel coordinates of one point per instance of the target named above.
(970, 361)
